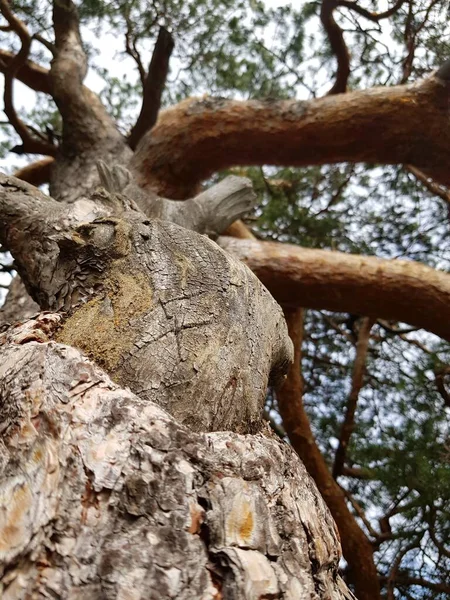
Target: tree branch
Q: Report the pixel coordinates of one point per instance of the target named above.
(30, 73)
(356, 547)
(86, 123)
(153, 87)
(361, 514)
(429, 184)
(406, 580)
(36, 173)
(440, 374)
(338, 46)
(432, 532)
(30, 143)
(359, 369)
(210, 212)
(374, 17)
(391, 289)
(397, 125)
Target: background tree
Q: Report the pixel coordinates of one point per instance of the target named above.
(369, 418)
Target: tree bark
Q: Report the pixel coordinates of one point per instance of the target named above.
(397, 125)
(392, 289)
(104, 495)
(160, 307)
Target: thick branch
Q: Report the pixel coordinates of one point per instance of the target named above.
(403, 124)
(30, 73)
(338, 46)
(391, 289)
(167, 299)
(210, 212)
(356, 547)
(359, 369)
(36, 173)
(86, 123)
(154, 86)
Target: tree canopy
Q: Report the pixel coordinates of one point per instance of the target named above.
(332, 109)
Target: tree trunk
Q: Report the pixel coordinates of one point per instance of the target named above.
(104, 495)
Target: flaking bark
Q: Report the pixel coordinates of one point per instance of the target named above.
(389, 125)
(104, 495)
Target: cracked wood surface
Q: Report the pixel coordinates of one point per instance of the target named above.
(158, 306)
(104, 495)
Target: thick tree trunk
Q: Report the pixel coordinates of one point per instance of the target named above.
(104, 495)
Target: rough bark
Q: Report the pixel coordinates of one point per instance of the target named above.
(158, 306)
(357, 549)
(392, 289)
(89, 133)
(211, 212)
(398, 125)
(104, 495)
(18, 304)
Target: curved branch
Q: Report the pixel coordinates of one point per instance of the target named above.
(374, 17)
(338, 46)
(85, 119)
(356, 547)
(30, 73)
(153, 87)
(392, 289)
(30, 143)
(397, 125)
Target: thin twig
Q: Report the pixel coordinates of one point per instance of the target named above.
(359, 369)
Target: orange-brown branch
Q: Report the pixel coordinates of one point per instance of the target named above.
(391, 289)
(36, 173)
(398, 125)
(359, 370)
(30, 73)
(338, 46)
(154, 84)
(30, 142)
(356, 547)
